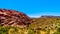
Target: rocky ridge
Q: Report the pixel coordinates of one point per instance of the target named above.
(12, 18)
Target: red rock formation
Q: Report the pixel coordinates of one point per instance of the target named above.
(12, 17)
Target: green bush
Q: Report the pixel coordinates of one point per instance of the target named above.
(58, 31)
(11, 30)
(4, 30)
(29, 31)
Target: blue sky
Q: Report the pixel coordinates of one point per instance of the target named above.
(33, 8)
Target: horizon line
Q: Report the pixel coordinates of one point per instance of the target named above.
(42, 15)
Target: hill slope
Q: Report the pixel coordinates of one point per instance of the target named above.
(13, 18)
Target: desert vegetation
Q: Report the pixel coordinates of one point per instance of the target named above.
(13, 22)
(39, 26)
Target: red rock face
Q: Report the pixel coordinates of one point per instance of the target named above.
(12, 17)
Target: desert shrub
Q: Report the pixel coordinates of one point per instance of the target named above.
(48, 31)
(29, 31)
(38, 32)
(16, 30)
(4, 30)
(11, 30)
(58, 31)
(32, 31)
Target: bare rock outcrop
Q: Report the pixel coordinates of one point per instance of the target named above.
(12, 18)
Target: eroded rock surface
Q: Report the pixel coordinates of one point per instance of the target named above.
(12, 18)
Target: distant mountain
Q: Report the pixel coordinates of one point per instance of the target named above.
(51, 16)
